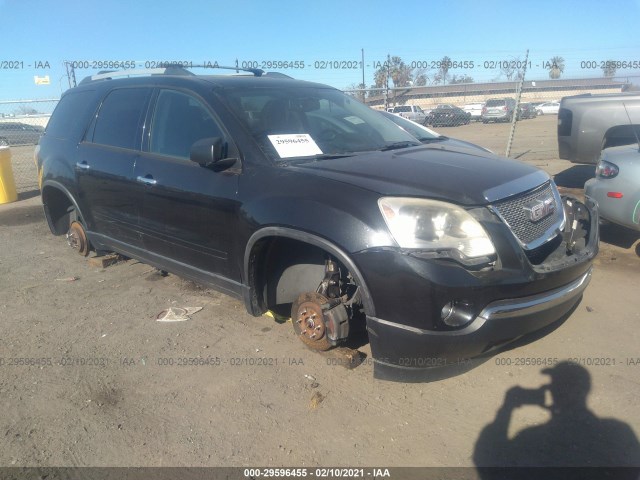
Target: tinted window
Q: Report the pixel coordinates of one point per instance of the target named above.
(71, 115)
(180, 120)
(117, 123)
(332, 121)
(495, 103)
(402, 109)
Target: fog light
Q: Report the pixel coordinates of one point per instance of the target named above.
(457, 313)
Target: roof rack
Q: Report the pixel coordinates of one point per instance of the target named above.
(168, 69)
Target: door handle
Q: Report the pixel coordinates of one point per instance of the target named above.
(148, 180)
(83, 165)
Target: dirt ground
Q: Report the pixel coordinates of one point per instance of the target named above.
(88, 377)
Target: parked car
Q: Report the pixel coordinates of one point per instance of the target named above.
(412, 112)
(549, 108)
(499, 109)
(449, 117)
(616, 186)
(527, 110)
(292, 196)
(426, 135)
(474, 110)
(430, 112)
(16, 133)
(588, 123)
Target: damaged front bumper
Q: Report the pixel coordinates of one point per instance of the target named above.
(516, 296)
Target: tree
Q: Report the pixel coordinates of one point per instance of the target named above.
(357, 90)
(510, 69)
(461, 79)
(556, 67)
(25, 110)
(400, 73)
(380, 77)
(393, 69)
(443, 71)
(420, 77)
(609, 68)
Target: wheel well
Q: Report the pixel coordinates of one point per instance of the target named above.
(282, 268)
(58, 208)
(620, 135)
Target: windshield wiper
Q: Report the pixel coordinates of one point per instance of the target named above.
(397, 145)
(320, 156)
(441, 138)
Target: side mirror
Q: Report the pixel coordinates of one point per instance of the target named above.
(211, 153)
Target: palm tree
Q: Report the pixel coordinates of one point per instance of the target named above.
(609, 68)
(556, 67)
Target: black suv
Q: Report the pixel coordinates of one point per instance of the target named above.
(289, 194)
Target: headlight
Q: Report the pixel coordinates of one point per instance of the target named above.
(433, 225)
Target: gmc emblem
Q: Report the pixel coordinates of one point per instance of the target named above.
(540, 208)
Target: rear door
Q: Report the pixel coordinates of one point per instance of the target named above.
(108, 194)
(189, 212)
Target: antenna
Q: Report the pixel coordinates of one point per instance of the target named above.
(635, 133)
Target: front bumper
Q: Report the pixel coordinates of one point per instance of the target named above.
(498, 303)
(403, 346)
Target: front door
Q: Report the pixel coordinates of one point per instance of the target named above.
(189, 212)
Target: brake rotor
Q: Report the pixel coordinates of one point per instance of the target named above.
(77, 238)
(309, 320)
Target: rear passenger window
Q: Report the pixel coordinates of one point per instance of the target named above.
(71, 115)
(118, 121)
(180, 120)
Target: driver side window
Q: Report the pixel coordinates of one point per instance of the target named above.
(180, 120)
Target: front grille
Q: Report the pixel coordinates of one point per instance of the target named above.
(514, 214)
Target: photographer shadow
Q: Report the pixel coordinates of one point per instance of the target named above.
(573, 437)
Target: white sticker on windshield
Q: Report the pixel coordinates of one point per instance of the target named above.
(294, 145)
(353, 119)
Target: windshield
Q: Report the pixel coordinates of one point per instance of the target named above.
(296, 122)
(415, 129)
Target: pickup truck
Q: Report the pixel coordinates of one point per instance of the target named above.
(412, 112)
(589, 123)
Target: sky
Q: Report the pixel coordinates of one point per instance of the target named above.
(326, 38)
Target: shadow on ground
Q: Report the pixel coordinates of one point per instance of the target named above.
(575, 177)
(573, 437)
(619, 236)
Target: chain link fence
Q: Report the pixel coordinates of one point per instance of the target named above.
(482, 113)
(21, 124)
(489, 114)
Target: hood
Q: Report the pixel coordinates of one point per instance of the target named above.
(458, 175)
(455, 142)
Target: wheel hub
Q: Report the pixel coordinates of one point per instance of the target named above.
(77, 239)
(311, 321)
